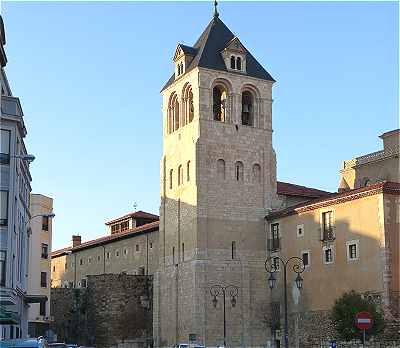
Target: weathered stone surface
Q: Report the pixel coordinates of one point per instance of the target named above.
(110, 311)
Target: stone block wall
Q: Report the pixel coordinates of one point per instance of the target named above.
(113, 309)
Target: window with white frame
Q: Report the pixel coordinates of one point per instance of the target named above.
(300, 230)
(328, 255)
(353, 250)
(305, 256)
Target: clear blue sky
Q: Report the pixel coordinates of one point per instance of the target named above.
(89, 76)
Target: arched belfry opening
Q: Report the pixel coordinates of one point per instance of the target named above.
(220, 96)
(247, 108)
(173, 113)
(188, 104)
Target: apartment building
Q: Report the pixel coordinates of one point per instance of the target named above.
(39, 315)
(15, 187)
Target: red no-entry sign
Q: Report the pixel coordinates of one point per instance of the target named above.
(364, 320)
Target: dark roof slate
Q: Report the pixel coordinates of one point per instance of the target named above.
(208, 48)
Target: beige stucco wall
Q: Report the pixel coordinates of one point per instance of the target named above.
(123, 257)
(39, 204)
(355, 220)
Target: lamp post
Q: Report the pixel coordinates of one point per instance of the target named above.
(218, 290)
(272, 267)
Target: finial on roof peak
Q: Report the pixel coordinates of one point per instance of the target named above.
(216, 14)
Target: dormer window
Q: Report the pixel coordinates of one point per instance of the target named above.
(234, 56)
(233, 60)
(238, 63)
(182, 58)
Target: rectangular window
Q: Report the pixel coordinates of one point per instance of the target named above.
(43, 279)
(275, 231)
(108, 255)
(274, 242)
(328, 255)
(352, 250)
(81, 261)
(3, 208)
(54, 268)
(327, 226)
(300, 230)
(137, 247)
(42, 309)
(3, 255)
(275, 264)
(233, 250)
(45, 251)
(5, 147)
(45, 223)
(306, 258)
(124, 226)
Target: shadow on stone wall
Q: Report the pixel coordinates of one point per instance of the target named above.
(113, 309)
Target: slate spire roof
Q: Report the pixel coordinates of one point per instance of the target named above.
(208, 47)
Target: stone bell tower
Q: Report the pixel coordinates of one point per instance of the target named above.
(217, 179)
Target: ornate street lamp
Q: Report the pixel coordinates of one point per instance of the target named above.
(272, 267)
(218, 290)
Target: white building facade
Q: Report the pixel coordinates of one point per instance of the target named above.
(15, 188)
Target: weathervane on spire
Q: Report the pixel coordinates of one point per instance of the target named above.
(216, 14)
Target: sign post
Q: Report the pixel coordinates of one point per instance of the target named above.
(364, 321)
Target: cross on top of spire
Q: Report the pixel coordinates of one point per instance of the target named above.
(216, 14)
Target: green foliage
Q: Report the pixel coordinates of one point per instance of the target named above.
(344, 313)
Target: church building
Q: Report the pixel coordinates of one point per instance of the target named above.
(217, 180)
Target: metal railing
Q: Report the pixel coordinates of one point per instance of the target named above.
(328, 234)
(274, 244)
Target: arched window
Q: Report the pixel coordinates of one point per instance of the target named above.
(176, 113)
(180, 175)
(232, 62)
(221, 169)
(256, 173)
(181, 68)
(219, 103)
(171, 178)
(239, 175)
(173, 113)
(188, 104)
(188, 171)
(238, 63)
(247, 109)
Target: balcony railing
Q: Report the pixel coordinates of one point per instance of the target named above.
(11, 106)
(328, 234)
(274, 244)
(8, 296)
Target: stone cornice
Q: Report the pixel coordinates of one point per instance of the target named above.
(382, 187)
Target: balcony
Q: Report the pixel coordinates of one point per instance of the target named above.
(11, 106)
(328, 234)
(8, 296)
(274, 244)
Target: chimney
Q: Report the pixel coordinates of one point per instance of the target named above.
(76, 240)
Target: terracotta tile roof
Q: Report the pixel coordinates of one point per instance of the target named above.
(285, 188)
(335, 198)
(137, 214)
(60, 252)
(150, 227)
